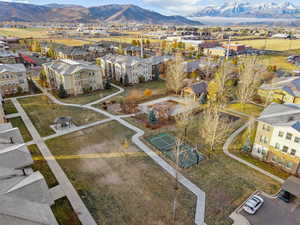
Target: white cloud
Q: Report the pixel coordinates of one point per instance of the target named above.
(17, 1)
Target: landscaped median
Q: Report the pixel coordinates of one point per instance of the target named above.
(9, 107)
(120, 184)
(42, 112)
(18, 122)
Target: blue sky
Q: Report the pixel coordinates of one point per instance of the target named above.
(163, 6)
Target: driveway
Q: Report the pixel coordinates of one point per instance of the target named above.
(275, 212)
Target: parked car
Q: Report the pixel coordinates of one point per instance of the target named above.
(285, 196)
(253, 204)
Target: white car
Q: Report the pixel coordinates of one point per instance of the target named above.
(253, 204)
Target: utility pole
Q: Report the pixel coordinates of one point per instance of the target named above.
(228, 48)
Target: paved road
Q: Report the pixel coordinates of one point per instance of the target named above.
(275, 212)
(226, 151)
(75, 200)
(200, 205)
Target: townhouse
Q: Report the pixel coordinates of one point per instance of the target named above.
(283, 89)
(77, 77)
(13, 79)
(277, 138)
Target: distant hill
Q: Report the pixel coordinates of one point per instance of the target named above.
(10, 11)
(246, 9)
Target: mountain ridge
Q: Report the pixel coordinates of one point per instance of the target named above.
(261, 10)
(127, 13)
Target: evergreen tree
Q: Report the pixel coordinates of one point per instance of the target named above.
(152, 117)
(62, 92)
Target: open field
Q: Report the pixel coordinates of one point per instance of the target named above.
(226, 182)
(24, 33)
(9, 107)
(64, 213)
(280, 62)
(87, 98)
(126, 188)
(42, 166)
(124, 39)
(272, 44)
(70, 42)
(18, 122)
(42, 112)
(250, 109)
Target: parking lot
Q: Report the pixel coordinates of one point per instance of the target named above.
(275, 212)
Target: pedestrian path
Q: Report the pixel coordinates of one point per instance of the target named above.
(65, 184)
(14, 115)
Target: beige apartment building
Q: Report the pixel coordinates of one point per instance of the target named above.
(13, 79)
(277, 138)
(77, 77)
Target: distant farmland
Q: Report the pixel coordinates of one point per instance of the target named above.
(272, 44)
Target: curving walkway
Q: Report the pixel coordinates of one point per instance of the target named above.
(200, 205)
(226, 151)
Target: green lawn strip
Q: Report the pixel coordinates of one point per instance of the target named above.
(121, 190)
(18, 122)
(88, 98)
(42, 112)
(9, 107)
(250, 109)
(64, 213)
(42, 166)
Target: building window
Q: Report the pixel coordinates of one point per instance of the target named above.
(277, 146)
(290, 165)
(297, 139)
(288, 136)
(285, 149)
(280, 134)
(293, 152)
(265, 140)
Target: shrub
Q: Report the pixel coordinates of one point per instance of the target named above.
(148, 93)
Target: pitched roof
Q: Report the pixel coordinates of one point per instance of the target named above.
(15, 68)
(69, 67)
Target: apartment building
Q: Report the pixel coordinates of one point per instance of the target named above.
(13, 79)
(277, 138)
(77, 77)
(132, 69)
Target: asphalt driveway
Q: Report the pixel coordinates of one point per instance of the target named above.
(275, 212)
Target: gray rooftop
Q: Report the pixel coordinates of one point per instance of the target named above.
(15, 68)
(69, 67)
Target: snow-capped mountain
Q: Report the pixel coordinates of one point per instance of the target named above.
(263, 10)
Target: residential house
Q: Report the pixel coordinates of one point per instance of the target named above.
(195, 90)
(13, 79)
(216, 51)
(277, 138)
(132, 69)
(8, 57)
(77, 77)
(24, 194)
(283, 89)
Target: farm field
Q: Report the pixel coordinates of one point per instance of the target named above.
(272, 44)
(119, 184)
(24, 33)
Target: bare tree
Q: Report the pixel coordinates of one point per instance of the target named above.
(182, 123)
(176, 74)
(249, 79)
(213, 129)
(220, 89)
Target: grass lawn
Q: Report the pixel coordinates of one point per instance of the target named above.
(250, 109)
(272, 44)
(42, 166)
(87, 98)
(18, 122)
(280, 62)
(64, 213)
(24, 33)
(9, 107)
(42, 112)
(120, 185)
(70, 42)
